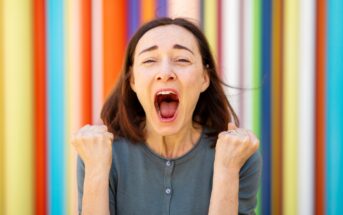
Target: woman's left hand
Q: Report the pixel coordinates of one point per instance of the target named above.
(234, 147)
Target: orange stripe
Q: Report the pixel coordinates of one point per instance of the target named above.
(86, 62)
(277, 65)
(40, 107)
(148, 9)
(114, 42)
(320, 108)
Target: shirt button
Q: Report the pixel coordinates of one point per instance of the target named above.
(168, 163)
(168, 191)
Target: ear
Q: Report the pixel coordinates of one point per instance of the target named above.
(206, 80)
(132, 80)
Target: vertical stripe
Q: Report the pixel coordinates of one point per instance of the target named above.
(231, 51)
(276, 106)
(219, 38)
(256, 78)
(185, 9)
(320, 107)
(97, 51)
(247, 68)
(266, 122)
(241, 59)
(334, 112)
(147, 10)
(86, 61)
(2, 113)
(40, 107)
(114, 34)
(210, 25)
(161, 8)
(18, 106)
(133, 16)
(306, 108)
(73, 93)
(290, 111)
(55, 108)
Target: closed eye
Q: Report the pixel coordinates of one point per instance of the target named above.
(183, 60)
(148, 61)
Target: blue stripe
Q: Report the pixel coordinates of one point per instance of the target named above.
(161, 8)
(133, 17)
(55, 108)
(265, 106)
(334, 111)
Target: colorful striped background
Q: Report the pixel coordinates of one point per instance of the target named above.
(283, 58)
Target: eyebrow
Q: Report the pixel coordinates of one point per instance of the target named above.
(176, 46)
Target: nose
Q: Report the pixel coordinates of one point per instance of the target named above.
(166, 72)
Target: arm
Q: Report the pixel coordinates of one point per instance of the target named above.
(232, 150)
(94, 146)
(96, 192)
(224, 196)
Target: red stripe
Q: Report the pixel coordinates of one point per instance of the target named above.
(40, 107)
(320, 108)
(114, 33)
(86, 62)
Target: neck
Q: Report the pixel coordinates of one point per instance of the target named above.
(176, 145)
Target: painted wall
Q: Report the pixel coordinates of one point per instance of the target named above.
(283, 58)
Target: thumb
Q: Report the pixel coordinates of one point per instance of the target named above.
(231, 126)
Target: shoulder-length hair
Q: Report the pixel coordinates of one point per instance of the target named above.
(123, 114)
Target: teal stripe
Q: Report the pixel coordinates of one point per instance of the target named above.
(55, 107)
(334, 111)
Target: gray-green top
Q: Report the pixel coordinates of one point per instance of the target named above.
(142, 182)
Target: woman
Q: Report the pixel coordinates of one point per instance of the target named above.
(177, 149)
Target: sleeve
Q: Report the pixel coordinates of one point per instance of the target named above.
(249, 177)
(80, 181)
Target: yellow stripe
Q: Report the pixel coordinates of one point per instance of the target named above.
(211, 24)
(290, 111)
(1, 114)
(18, 123)
(68, 8)
(72, 95)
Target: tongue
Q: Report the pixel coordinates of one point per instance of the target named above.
(168, 109)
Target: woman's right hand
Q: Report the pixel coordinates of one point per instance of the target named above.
(93, 143)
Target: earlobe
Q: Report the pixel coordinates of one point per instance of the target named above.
(206, 81)
(132, 81)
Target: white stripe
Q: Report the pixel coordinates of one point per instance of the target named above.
(230, 55)
(189, 9)
(248, 66)
(306, 108)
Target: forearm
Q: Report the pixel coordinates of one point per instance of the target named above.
(224, 196)
(96, 193)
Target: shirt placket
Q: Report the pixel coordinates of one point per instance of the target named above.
(168, 189)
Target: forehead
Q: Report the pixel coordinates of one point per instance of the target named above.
(167, 36)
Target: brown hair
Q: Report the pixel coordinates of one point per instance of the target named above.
(123, 114)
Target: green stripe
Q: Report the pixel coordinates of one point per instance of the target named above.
(256, 81)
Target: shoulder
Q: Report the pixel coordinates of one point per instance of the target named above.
(252, 166)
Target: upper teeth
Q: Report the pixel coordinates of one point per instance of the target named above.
(165, 92)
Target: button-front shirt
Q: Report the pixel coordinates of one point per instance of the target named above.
(142, 182)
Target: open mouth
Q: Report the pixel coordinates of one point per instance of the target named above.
(166, 104)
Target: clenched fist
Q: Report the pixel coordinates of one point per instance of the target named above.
(234, 147)
(93, 143)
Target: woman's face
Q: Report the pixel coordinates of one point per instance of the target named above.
(168, 77)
